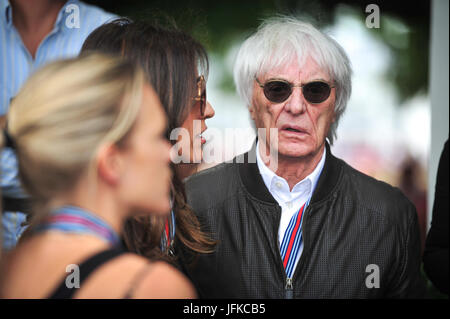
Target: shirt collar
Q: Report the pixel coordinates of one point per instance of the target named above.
(266, 173)
(5, 8)
(62, 15)
(269, 177)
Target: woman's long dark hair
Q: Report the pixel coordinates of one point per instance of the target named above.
(171, 59)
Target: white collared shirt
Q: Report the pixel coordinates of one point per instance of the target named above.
(290, 202)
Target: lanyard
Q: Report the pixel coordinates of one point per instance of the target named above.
(169, 233)
(292, 239)
(72, 219)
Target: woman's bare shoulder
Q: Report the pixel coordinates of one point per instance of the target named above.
(133, 276)
(37, 265)
(162, 281)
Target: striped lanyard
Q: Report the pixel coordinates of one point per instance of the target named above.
(292, 239)
(169, 233)
(72, 219)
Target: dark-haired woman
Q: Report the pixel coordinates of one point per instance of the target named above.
(177, 67)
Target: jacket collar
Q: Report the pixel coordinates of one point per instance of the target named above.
(253, 182)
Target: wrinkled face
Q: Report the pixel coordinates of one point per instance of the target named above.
(302, 126)
(195, 123)
(145, 183)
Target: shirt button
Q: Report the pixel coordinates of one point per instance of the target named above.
(278, 184)
(289, 204)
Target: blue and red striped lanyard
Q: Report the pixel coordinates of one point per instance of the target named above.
(169, 233)
(72, 219)
(292, 239)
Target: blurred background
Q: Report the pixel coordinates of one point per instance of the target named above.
(397, 118)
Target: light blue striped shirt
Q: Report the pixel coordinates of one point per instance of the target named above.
(17, 64)
(75, 21)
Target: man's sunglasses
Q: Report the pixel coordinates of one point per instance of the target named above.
(201, 94)
(278, 91)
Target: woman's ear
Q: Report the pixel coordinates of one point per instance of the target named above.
(110, 163)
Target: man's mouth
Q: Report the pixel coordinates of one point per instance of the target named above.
(293, 129)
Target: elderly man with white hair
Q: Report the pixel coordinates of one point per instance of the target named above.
(299, 223)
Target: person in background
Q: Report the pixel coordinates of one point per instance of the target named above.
(435, 257)
(177, 67)
(411, 187)
(89, 136)
(32, 34)
(299, 222)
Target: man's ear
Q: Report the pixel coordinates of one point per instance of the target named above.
(109, 163)
(251, 109)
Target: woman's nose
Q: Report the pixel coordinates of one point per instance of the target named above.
(209, 111)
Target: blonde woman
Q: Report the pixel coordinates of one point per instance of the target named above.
(89, 137)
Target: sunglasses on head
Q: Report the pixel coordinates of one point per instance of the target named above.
(201, 94)
(278, 91)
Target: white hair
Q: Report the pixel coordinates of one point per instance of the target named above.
(281, 39)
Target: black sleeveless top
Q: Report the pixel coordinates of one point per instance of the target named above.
(89, 266)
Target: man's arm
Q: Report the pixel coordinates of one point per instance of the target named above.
(410, 282)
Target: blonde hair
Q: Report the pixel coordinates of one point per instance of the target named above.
(64, 113)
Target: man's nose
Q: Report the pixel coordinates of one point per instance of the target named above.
(296, 103)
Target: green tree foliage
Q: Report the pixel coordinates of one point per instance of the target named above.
(404, 27)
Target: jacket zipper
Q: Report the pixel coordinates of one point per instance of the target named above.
(288, 287)
(289, 291)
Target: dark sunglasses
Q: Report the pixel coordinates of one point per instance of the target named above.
(201, 94)
(278, 91)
